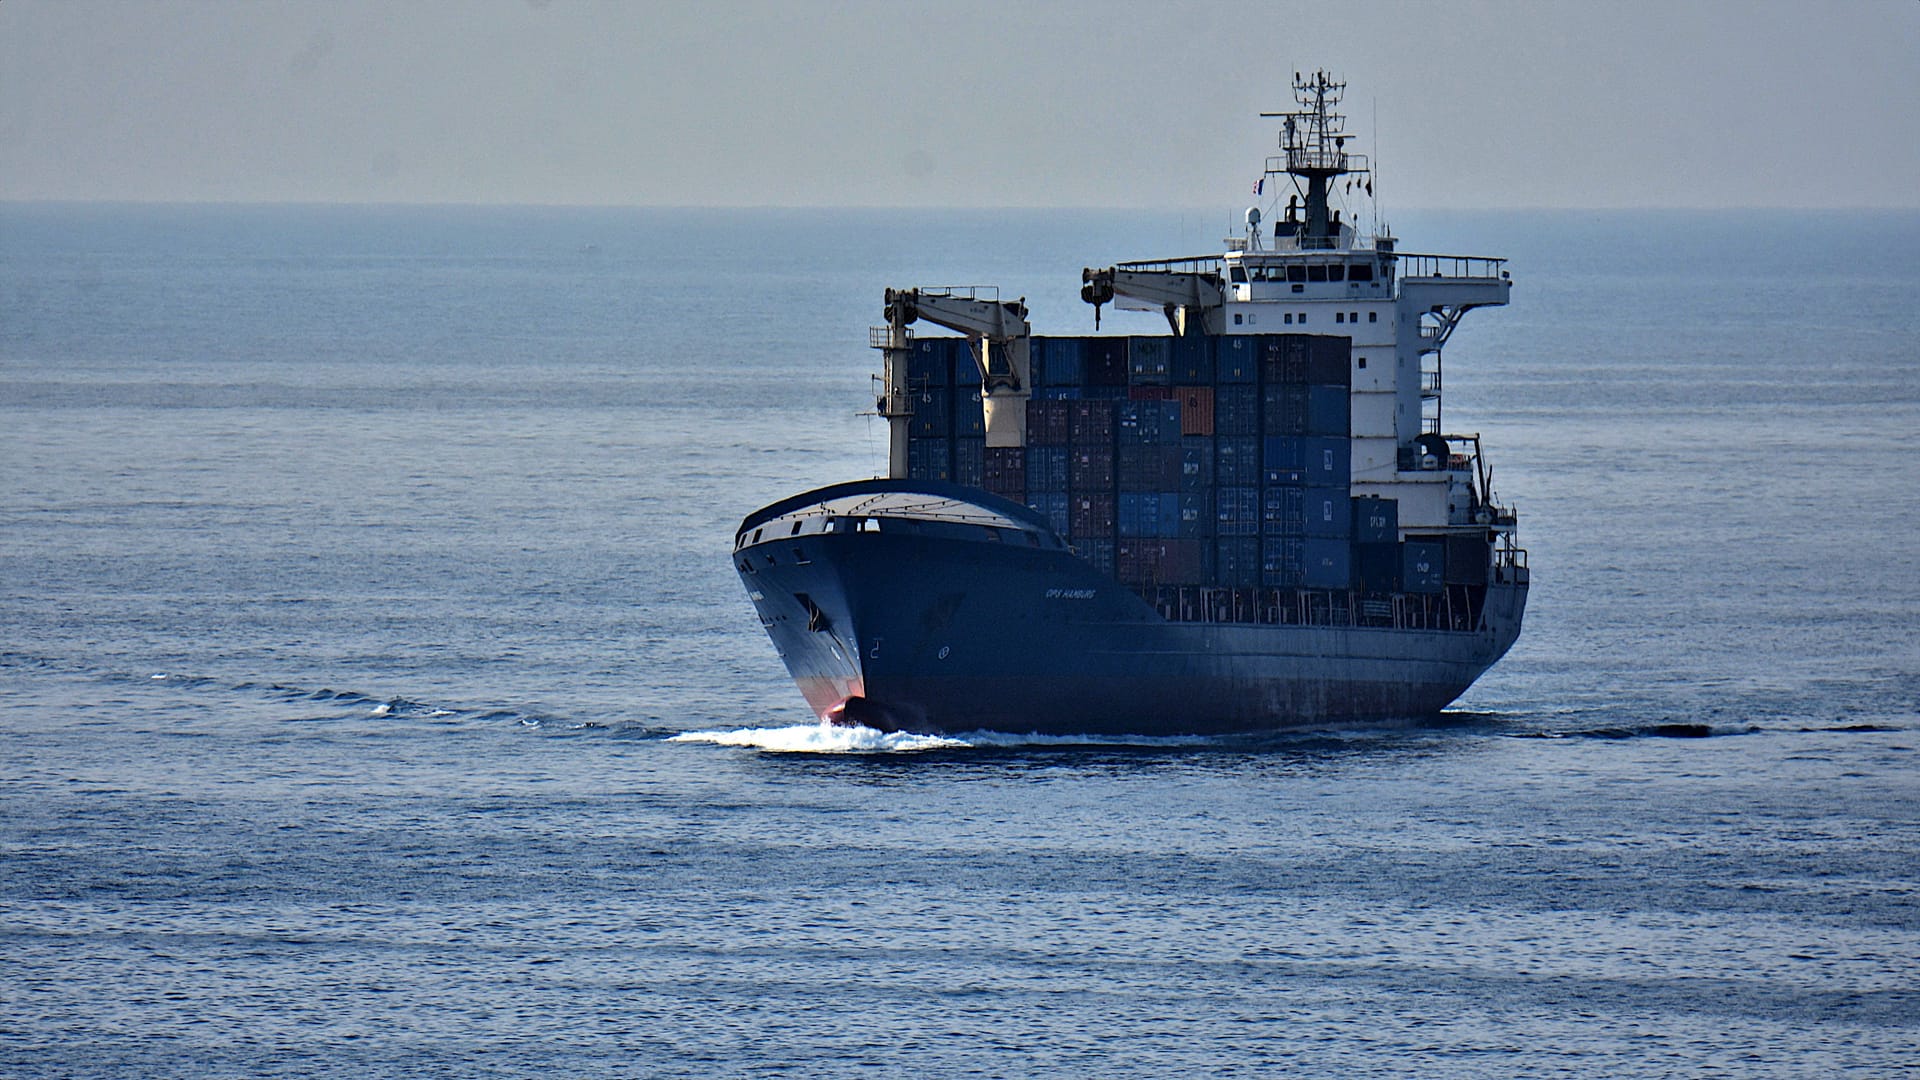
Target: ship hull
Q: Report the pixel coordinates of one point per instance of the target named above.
(948, 635)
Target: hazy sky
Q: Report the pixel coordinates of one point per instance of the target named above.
(1111, 103)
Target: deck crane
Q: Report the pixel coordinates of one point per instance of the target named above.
(998, 332)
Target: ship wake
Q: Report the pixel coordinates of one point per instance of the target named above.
(822, 738)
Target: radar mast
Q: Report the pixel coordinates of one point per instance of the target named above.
(1316, 153)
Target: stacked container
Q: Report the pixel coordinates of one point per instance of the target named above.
(1184, 461)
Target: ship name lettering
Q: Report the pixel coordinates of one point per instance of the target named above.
(1070, 594)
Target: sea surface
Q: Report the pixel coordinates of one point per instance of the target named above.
(377, 700)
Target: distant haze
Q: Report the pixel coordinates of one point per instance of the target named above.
(1109, 104)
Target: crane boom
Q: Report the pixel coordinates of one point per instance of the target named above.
(998, 333)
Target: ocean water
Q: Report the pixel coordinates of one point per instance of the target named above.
(376, 698)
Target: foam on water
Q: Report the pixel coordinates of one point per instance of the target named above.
(822, 738)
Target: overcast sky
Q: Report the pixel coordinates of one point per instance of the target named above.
(854, 103)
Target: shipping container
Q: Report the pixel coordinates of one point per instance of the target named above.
(1327, 461)
(1005, 469)
(1237, 562)
(1377, 566)
(1196, 463)
(1236, 461)
(1283, 409)
(1236, 511)
(1186, 561)
(1090, 515)
(1105, 359)
(1090, 424)
(1196, 409)
(932, 414)
(1149, 393)
(1192, 359)
(1236, 410)
(1047, 423)
(1056, 362)
(1328, 411)
(1148, 359)
(1423, 566)
(1053, 504)
(1284, 360)
(1376, 520)
(1148, 423)
(1283, 511)
(930, 459)
(1326, 563)
(1196, 514)
(1282, 561)
(1137, 468)
(930, 362)
(1090, 469)
(1236, 359)
(1468, 558)
(969, 456)
(1283, 461)
(1329, 361)
(1098, 551)
(969, 415)
(1047, 468)
(1059, 393)
(1329, 512)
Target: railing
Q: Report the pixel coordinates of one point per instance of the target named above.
(985, 293)
(1429, 384)
(1191, 264)
(881, 337)
(1455, 608)
(1466, 267)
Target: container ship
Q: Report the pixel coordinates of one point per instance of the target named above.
(1255, 522)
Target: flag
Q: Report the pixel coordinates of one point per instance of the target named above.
(1259, 185)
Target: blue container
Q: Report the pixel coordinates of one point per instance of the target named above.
(930, 459)
(969, 461)
(1236, 359)
(1059, 393)
(1236, 410)
(1196, 463)
(932, 413)
(1149, 360)
(1326, 563)
(1376, 567)
(1054, 505)
(1328, 461)
(930, 363)
(1047, 469)
(1237, 562)
(1423, 568)
(1328, 411)
(1329, 512)
(969, 415)
(1191, 363)
(1090, 469)
(1196, 513)
(1283, 461)
(1098, 551)
(1057, 362)
(1283, 410)
(1282, 561)
(1236, 511)
(1376, 521)
(1283, 511)
(1236, 461)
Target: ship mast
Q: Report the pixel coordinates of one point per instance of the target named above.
(1316, 155)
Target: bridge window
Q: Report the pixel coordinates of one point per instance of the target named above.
(1316, 273)
(1337, 272)
(1237, 274)
(1360, 272)
(1296, 273)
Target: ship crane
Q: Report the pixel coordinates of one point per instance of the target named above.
(998, 332)
(1192, 299)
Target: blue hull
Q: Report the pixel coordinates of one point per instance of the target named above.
(929, 627)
